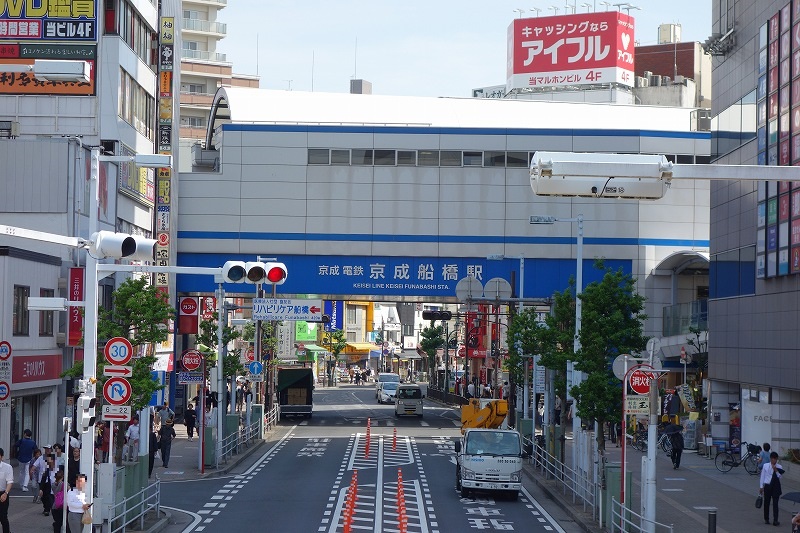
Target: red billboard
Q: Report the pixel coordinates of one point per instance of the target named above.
(27, 369)
(579, 49)
(75, 313)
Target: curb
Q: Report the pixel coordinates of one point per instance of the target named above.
(576, 514)
(161, 524)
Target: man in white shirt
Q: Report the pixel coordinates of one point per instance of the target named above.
(770, 487)
(471, 390)
(76, 504)
(132, 436)
(7, 479)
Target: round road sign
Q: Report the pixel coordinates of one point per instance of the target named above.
(640, 381)
(5, 350)
(117, 391)
(192, 359)
(250, 354)
(5, 391)
(118, 351)
(163, 239)
(255, 367)
(188, 306)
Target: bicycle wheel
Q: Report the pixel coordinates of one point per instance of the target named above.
(666, 445)
(751, 465)
(724, 462)
(640, 444)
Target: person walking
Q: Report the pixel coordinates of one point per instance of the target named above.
(74, 467)
(770, 487)
(76, 504)
(165, 413)
(37, 469)
(676, 440)
(190, 419)
(166, 434)
(58, 504)
(763, 456)
(153, 450)
(132, 438)
(25, 448)
(7, 479)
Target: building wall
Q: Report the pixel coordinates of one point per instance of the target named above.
(753, 341)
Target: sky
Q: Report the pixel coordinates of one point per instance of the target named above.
(406, 47)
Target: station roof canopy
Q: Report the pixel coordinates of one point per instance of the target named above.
(243, 105)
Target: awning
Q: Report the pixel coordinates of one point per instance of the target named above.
(410, 356)
(360, 346)
(315, 348)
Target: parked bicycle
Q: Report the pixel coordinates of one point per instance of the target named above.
(725, 461)
(639, 441)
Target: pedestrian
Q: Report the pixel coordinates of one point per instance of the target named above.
(558, 410)
(58, 501)
(7, 479)
(132, 439)
(358, 377)
(190, 418)
(76, 504)
(25, 447)
(60, 459)
(36, 470)
(46, 481)
(74, 467)
(770, 487)
(165, 413)
(763, 456)
(153, 450)
(506, 390)
(239, 397)
(676, 440)
(165, 436)
(471, 390)
(247, 393)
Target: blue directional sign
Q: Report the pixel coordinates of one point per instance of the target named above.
(256, 367)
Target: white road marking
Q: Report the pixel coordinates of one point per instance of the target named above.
(550, 519)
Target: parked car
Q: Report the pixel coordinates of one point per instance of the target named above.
(387, 392)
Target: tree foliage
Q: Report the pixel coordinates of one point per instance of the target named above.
(612, 324)
(336, 342)
(431, 339)
(139, 313)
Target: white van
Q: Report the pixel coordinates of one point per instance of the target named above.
(408, 400)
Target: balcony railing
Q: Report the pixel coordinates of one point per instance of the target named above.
(206, 26)
(679, 318)
(205, 56)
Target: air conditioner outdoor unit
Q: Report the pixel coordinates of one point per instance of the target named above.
(204, 158)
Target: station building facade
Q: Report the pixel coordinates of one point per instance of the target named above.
(396, 198)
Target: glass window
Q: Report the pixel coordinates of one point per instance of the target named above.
(493, 159)
(385, 157)
(362, 157)
(21, 315)
(407, 158)
(428, 158)
(517, 159)
(340, 157)
(473, 159)
(450, 158)
(46, 317)
(318, 156)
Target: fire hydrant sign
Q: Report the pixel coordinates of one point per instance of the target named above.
(640, 381)
(287, 309)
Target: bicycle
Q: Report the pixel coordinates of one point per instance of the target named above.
(639, 442)
(725, 461)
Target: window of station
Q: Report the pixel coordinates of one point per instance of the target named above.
(407, 158)
(428, 158)
(362, 157)
(385, 158)
(318, 156)
(20, 314)
(340, 157)
(473, 159)
(450, 158)
(494, 159)
(517, 159)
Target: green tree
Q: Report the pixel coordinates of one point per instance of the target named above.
(611, 324)
(139, 313)
(431, 339)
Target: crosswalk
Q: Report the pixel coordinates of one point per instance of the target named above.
(376, 422)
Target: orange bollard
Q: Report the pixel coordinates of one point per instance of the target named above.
(394, 440)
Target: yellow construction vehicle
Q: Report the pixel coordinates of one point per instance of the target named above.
(483, 413)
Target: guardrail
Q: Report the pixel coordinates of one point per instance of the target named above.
(135, 508)
(447, 397)
(625, 520)
(234, 443)
(271, 418)
(579, 484)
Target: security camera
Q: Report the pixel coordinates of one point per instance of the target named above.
(594, 190)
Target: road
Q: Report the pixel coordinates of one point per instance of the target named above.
(301, 482)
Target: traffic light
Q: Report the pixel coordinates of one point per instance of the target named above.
(437, 315)
(86, 413)
(254, 272)
(122, 245)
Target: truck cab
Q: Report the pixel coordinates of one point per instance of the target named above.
(489, 460)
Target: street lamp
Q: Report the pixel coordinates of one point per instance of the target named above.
(577, 436)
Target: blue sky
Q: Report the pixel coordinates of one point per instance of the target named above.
(408, 47)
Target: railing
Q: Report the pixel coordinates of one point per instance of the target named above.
(135, 507)
(205, 25)
(579, 484)
(271, 418)
(447, 397)
(679, 318)
(203, 55)
(626, 520)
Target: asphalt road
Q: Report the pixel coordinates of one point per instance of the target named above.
(301, 482)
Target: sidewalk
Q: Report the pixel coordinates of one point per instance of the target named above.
(685, 496)
(26, 517)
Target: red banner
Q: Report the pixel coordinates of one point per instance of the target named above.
(188, 314)
(577, 49)
(208, 306)
(75, 314)
(27, 369)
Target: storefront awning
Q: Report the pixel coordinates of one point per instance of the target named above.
(315, 348)
(360, 346)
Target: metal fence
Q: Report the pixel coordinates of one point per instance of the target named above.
(236, 442)
(271, 418)
(632, 522)
(135, 509)
(579, 484)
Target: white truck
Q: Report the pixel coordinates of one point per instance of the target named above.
(488, 458)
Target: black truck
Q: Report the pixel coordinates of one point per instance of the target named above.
(295, 390)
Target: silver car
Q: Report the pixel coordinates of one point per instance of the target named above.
(387, 391)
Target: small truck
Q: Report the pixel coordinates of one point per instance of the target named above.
(488, 459)
(295, 390)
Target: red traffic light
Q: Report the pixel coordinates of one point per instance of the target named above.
(276, 273)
